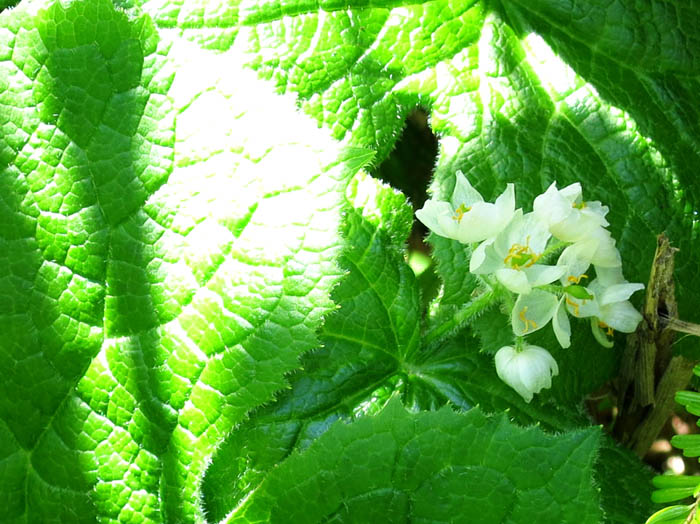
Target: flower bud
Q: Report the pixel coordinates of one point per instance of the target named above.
(527, 371)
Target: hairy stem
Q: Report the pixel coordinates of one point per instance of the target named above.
(473, 308)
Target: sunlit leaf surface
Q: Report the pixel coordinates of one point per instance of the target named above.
(188, 260)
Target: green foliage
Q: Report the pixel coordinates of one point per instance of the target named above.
(191, 262)
(400, 467)
(672, 488)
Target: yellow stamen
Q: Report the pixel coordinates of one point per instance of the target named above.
(459, 212)
(520, 256)
(576, 280)
(527, 321)
(608, 330)
(573, 304)
(580, 205)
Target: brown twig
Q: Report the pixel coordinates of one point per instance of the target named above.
(650, 375)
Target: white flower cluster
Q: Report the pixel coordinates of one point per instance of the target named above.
(511, 251)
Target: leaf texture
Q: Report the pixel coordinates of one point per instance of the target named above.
(415, 467)
(157, 283)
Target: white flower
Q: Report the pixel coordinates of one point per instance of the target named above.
(527, 371)
(608, 308)
(466, 217)
(567, 216)
(616, 312)
(513, 253)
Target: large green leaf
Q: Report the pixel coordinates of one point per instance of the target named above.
(432, 467)
(506, 106)
(158, 275)
(169, 227)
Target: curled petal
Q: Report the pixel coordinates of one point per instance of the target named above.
(561, 325)
(599, 335)
(619, 292)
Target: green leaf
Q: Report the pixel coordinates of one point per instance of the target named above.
(365, 341)
(169, 222)
(690, 400)
(402, 467)
(690, 444)
(625, 484)
(662, 496)
(369, 352)
(515, 95)
(670, 515)
(159, 277)
(5, 4)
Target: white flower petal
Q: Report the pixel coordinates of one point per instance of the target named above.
(597, 212)
(575, 260)
(482, 221)
(464, 193)
(567, 217)
(437, 216)
(561, 325)
(505, 204)
(598, 334)
(609, 276)
(515, 280)
(467, 217)
(508, 372)
(532, 311)
(575, 228)
(527, 371)
(539, 275)
(583, 308)
(484, 260)
(551, 207)
(621, 316)
(618, 293)
(606, 254)
(572, 193)
(533, 233)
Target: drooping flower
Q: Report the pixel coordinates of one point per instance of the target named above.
(466, 217)
(513, 255)
(608, 305)
(527, 371)
(616, 312)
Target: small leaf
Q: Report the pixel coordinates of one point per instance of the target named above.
(579, 292)
(670, 515)
(662, 496)
(675, 481)
(690, 444)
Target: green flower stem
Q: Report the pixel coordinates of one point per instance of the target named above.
(554, 289)
(552, 249)
(473, 308)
